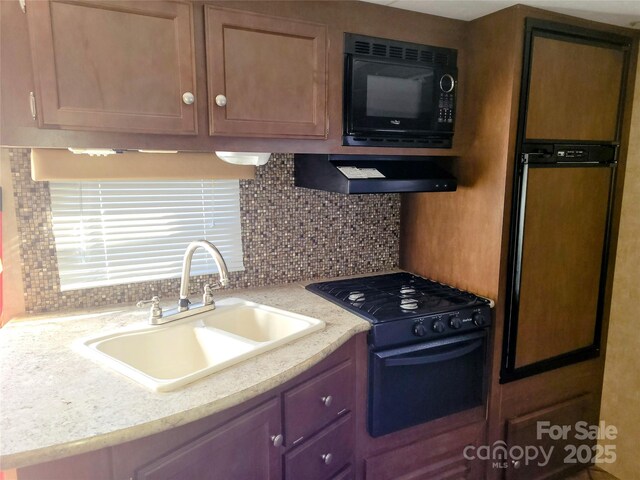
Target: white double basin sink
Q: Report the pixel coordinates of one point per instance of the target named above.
(165, 357)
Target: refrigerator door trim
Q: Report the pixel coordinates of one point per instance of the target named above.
(509, 371)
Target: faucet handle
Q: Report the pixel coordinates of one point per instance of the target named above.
(156, 311)
(207, 296)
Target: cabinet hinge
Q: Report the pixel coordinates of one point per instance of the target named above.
(32, 104)
(23, 5)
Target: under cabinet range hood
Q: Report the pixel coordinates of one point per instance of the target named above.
(371, 174)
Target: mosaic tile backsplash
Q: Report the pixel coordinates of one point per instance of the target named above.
(288, 233)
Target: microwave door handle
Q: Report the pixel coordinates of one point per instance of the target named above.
(433, 358)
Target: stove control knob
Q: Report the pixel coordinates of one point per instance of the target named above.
(478, 319)
(439, 326)
(455, 322)
(419, 330)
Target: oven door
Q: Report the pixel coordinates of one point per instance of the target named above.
(414, 384)
(388, 96)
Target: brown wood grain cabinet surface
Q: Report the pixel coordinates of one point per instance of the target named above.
(439, 457)
(113, 66)
(325, 454)
(313, 127)
(562, 105)
(239, 449)
(526, 431)
(271, 72)
(565, 219)
(315, 403)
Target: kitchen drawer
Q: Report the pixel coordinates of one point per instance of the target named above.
(316, 402)
(324, 455)
(347, 473)
(434, 457)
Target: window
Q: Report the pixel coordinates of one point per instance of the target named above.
(110, 233)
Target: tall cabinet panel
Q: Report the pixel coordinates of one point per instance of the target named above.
(114, 66)
(574, 90)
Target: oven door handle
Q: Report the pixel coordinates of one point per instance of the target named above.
(434, 358)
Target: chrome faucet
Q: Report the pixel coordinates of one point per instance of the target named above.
(158, 317)
(183, 302)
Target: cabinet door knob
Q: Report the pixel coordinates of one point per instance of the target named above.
(516, 463)
(277, 440)
(327, 458)
(221, 100)
(327, 401)
(188, 98)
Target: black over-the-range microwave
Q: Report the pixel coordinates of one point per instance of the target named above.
(398, 94)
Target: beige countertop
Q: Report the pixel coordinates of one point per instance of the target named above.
(54, 402)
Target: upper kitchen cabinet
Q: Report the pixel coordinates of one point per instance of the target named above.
(575, 88)
(266, 75)
(122, 66)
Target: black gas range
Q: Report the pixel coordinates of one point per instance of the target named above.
(405, 308)
(427, 346)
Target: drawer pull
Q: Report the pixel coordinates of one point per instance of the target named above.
(328, 400)
(277, 440)
(327, 458)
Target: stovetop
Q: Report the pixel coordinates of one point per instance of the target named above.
(404, 308)
(394, 296)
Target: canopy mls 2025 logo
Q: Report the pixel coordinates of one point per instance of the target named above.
(575, 442)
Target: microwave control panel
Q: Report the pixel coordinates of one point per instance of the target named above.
(446, 100)
(445, 107)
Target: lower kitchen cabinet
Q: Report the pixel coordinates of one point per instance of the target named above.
(441, 457)
(324, 455)
(554, 435)
(305, 429)
(315, 403)
(247, 442)
(246, 447)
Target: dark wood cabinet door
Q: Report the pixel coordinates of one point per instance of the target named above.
(113, 66)
(242, 449)
(527, 432)
(574, 90)
(266, 75)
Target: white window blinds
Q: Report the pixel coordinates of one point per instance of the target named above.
(110, 233)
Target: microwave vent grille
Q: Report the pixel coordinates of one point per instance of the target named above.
(426, 56)
(362, 48)
(442, 59)
(395, 52)
(412, 52)
(379, 49)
